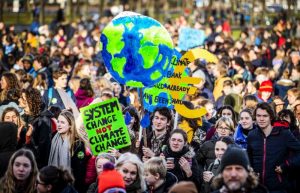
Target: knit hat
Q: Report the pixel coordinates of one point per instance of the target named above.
(110, 179)
(235, 156)
(266, 86)
(186, 187)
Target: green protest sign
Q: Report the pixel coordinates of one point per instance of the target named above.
(105, 126)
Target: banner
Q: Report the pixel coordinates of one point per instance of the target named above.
(190, 38)
(105, 126)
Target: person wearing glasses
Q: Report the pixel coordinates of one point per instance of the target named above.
(206, 153)
(52, 179)
(21, 173)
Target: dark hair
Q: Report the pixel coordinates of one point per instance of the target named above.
(58, 178)
(85, 84)
(228, 107)
(163, 111)
(227, 140)
(180, 131)
(133, 113)
(43, 59)
(58, 73)
(286, 112)
(34, 100)
(249, 111)
(265, 106)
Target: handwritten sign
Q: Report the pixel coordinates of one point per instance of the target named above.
(105, 126)
(190, 38)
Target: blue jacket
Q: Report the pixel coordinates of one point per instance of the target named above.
(240, 138)
(265, 153)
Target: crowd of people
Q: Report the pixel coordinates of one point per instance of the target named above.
(248, 141)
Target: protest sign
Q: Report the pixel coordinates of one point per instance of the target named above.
(190, 38)
(105, 126)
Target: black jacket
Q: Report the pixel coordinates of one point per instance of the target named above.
(258, 189)
(170, 180)
(206, 153)
(265, 153)
(8, 144)
(78, 166)
(41, 137)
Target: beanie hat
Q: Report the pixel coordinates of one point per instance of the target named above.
(186, 187)
(110, 179)
(266, 86)
(235, 156)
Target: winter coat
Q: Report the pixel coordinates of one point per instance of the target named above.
(240, 138)
(40, 142)
(258, 189)
(82, 99)
(214, 167)
(78, 166)
(265, 153)
(189, 154)
(170, 180)
(8, 144)
(206, 153)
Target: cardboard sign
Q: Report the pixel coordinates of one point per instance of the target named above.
(190, 38)
(105, 126)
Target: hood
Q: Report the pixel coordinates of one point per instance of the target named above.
(8, 137)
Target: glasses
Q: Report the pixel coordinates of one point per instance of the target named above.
(224, 128)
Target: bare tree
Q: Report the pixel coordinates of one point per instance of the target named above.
(42, 12)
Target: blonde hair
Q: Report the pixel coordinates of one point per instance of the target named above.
(72, 133)
(227, 121)
(156, 165)
(133, 159)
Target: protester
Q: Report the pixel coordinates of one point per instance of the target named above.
(157, 178)
(181, 159)
(131, 168)
(278, 143)
(67, 150)
(38, 123)
(236, 174)
(21, 173)
(213, 169)
(52, 179)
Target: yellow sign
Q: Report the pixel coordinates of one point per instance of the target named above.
(175, 82)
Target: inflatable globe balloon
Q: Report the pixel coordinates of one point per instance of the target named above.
(137, 50)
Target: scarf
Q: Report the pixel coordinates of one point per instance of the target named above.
(134, 187)
(59, 153)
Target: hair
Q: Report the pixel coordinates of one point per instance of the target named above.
(11, 109)
(133, 159)
(40, 80)
(179, 131)
(164, 111)
(43, 59)
(133, 113)
(227, 140)
(80, 66)
(107, 92)
(58, 178)
(12, 83)
(58, 73)
(286, 112)
(85, 84)
(265, 106)
(26, 81)
(156, 165)
(107, 156)
(249, 111)
(251, 181)
(72, 133)
(250, 101)
(228, 122)
(228, 107)
(8, 182)
(222, 69)
(34, 100)
(294, 91)
(228, 83)
(74, 83)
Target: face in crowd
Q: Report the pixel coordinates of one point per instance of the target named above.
(177, 142)
(234, 177)
(246, 120)
(263, 118)
(129, 171)
(160, 122)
